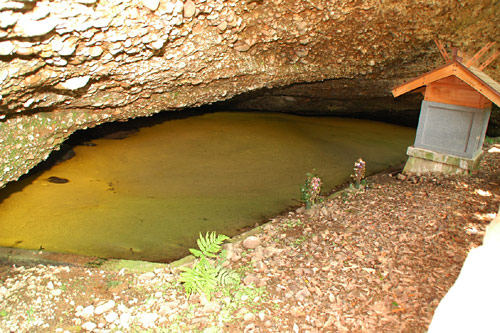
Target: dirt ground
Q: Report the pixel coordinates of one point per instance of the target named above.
(376, 260)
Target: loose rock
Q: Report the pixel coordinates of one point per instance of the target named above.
(100, 309)
(151, 4)
(251, 242)
(147, 320)
(89, 326)
(189, 9)
(111, 317)
(87, 312)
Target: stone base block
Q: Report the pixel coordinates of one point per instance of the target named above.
(423, 160)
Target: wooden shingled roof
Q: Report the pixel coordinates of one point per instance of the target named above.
(462, 67)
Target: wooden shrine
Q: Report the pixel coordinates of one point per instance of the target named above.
(454, 114)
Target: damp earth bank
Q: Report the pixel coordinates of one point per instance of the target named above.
(149, 195)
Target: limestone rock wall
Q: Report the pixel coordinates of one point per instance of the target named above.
(69, 65)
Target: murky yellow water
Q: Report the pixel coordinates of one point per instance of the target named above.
(149, 195)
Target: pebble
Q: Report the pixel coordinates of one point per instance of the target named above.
(249, 328)
(125, 320)
(6, 48)
(158, 44)
(147, 276)
(100, 309)
(249, 316)
(230, 253)
(241, 47)
(302, 294)
(169, 8)
(8, 19)
(251, 242)
(251, 279)
(56, 292)
(189, 9)
(222, 26)
(68, 47)
(270, 251)
(57, 44)
(400, 176)
(151, 4)
(324, 211)
(212, 306)
(30, 28)
(122, 308)
(179, 6)
(111, 317)
(260, 267)
(96, 51)
(87, 312)
(258, 253)
(74, 83)
(89, 326)
(147, 320)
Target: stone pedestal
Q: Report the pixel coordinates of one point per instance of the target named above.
(424, 160)
(449, 139)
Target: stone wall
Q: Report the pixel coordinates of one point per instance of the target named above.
(69, 65)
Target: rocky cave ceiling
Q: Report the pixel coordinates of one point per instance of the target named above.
(69, 65)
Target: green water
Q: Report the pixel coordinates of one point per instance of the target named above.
(149, 195)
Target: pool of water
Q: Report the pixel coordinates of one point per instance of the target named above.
(148, 196)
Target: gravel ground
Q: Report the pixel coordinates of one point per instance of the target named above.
(374, 260)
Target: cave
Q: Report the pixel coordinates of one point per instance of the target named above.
(66, 66)
(70, 66)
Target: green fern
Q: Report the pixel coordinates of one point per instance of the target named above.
(205, 276)
(200, 278)
(227, 277)
(209, 245)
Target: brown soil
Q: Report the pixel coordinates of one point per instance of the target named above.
(377, 260)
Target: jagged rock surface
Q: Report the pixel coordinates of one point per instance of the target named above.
(69, 65)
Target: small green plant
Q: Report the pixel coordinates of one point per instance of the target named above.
(3, 313)
(207, 273)
(298, 241)
(30, 313)
(112, 284)
(492, 140)
(359, 174)
(96, 263)
(311, 189)
(288, 224)
(249, 297)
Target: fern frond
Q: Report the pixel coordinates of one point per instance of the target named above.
(204, 276)
(202, 242)
(210, 245)
(196, 253)
(200, 278)
(227, 277)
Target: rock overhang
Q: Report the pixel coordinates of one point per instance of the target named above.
(69, 65)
